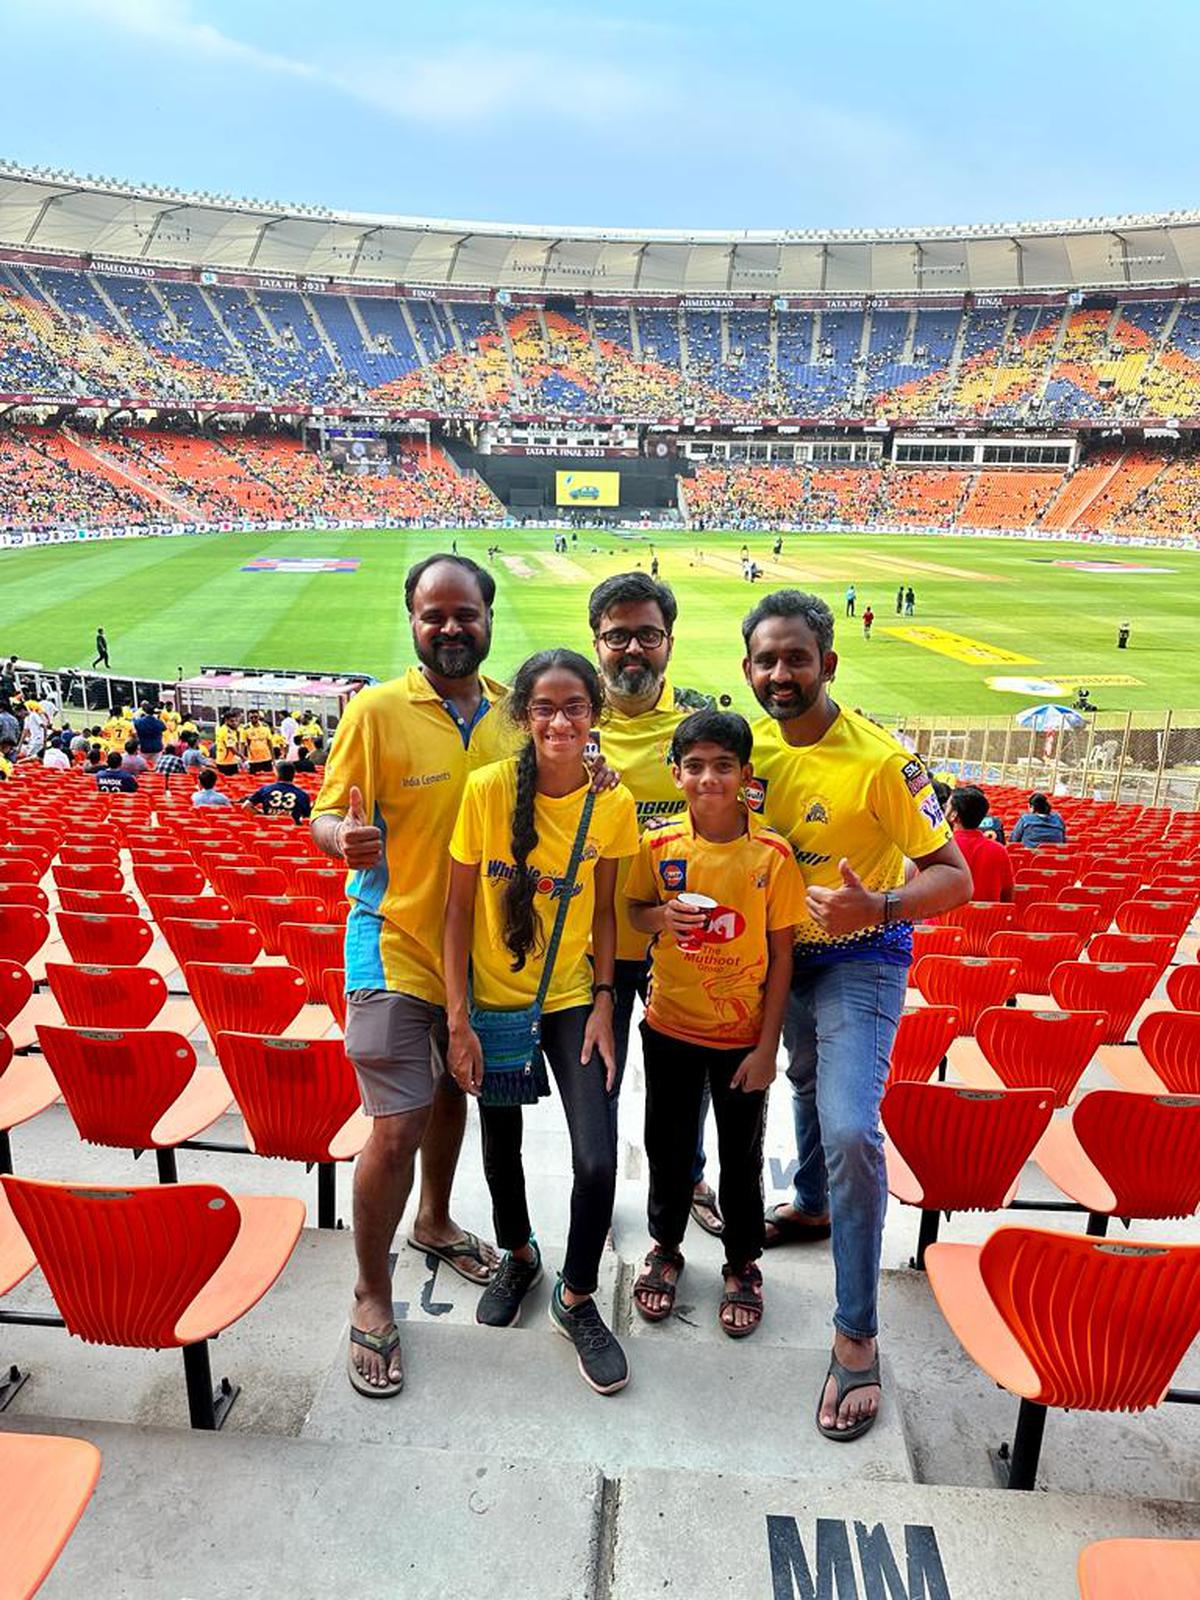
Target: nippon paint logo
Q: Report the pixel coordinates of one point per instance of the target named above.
(305, 564)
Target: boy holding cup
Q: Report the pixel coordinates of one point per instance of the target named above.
(719, 891)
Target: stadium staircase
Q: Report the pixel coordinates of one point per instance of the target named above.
(94, 455)
(498, 1474)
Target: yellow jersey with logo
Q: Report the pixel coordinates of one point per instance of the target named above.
(857, 793)
(639, 748)
(409, 756)
(483, 838)
(226, 746)
(710, 991)
(258, 741)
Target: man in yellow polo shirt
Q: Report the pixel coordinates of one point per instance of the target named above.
(855, 806)
(387, 807)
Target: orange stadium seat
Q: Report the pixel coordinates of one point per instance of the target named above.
(979, 920)
(1016, 1049)
(106, 996)
(1140, 1569)
(1038, 953)
(165, 1267)
(970, 984)
(313, 948)
(236, 944)
(233, 998)
(1062, 916)
(1155, 949)
(922, 1038)
(270, 912)
(48, 1482)
(1117, 988)
(26, 1088)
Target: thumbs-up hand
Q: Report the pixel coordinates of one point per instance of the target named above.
(848, 909)
(361, 845)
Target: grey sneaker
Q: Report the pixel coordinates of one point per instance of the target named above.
(601, 1360)
(500, 1303)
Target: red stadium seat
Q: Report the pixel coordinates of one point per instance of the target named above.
(1167, 1060)
(936, 939)
(189, 907)
(24, 894)
(98, 902)
(36, 856)
(333, 987)
(1105, 898)
(270, 912)
(162, 878)
(105, 941)
(1129, 882)
(1154, 916)
(979, 919)
(16, 986)
(88, 855)
(1038, 953)
(1032, 1050)
(157, 1268)
(101, 877)
(20, 869)
(1183, 988)
(922, 1039)
(236, 944)
(327, 882)
(1117, 988)
(968, 983)
(1062, 916)
(23, 932)
(240, 999)
(106, 997)
(1155, 949)
(237, 883)
(313, 948)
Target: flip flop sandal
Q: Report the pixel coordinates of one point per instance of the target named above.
(706, 1213)
(653, 1281)
(748, 1295)
(383, 1344)
(792, 1230)
(846, 1382)
(468, 1248)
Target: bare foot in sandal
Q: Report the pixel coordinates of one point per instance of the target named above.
(376, 1363)
(858, 1405)
(654, 1289)
(741, 1306)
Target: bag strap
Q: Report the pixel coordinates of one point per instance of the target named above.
(568, 888)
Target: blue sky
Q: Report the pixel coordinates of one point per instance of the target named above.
(651, 115)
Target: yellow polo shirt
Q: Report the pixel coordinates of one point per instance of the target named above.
(857, 793)
(483, 838)
(639, 748)
(711, 992)
(226, 746)
(404, 750)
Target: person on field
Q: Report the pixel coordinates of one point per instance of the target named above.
(101, 656)
(1039, 825)
(910, 601)
(632, 619)
(387, 808)
(851, 600)
(856, 807)
(718, 991)
(899, 599)
(511, 851)
(989, 862)
(868, 622)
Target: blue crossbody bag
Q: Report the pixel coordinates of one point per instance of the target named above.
(514, 1069)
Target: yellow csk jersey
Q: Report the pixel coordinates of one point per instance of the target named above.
(410, 757)
(857, 793)
(710, 992)
(258, 741)
(639, 749)
(226, 746)
(483, 837)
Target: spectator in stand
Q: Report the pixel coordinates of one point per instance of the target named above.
(33, 733)
(56, 757)
(289, 728)
(193, 758)
(169, 763)
(899, 599)
(309, 731)
(95, 761)
(149, 728)
(133, 760)
(258, 744)
(10, 727)
(319, 753)
(304, 761)
(991, 827)
(8, 756)
(113, 779)
(226, 757)
(80, 744)
(1039, 825)
(207, 794)
(283, 798)
(991, 869)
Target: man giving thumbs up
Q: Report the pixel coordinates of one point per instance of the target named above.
(856, 808)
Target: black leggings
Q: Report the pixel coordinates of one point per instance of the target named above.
(586, 1102)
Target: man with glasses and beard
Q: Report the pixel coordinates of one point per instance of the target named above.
(855, 805)
(632, 618)
(387, 808)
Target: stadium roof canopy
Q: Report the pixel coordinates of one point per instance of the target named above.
(58, 212)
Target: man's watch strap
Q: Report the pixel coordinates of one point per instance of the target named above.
(604, 988)
(891, 905)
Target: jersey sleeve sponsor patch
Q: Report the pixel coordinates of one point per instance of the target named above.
(915, 776)
(931, 809)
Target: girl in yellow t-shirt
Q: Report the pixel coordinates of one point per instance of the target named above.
(509, 858)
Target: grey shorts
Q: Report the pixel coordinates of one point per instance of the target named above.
(397, 1044)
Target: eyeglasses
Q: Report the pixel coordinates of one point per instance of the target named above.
(573, 710)
(621, 638)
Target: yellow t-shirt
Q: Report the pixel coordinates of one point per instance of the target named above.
(712, 993)
(258, 742)
(400, 746)
(856, 793)
(226, 747)
(639, 748)
(483, 837)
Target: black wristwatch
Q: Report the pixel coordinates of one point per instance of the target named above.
(891, 900)
(604, 988)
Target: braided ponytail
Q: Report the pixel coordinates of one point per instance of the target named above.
(522, 928)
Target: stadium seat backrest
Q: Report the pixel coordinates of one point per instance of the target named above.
(236, 944)
(295, 1094)
(105, 941)
(1154, 916)
(23, 932)
(1104, 1324)
(937, 939)
(1117, 988)
(328, 882)
(270, 912)
(968, 983)
(965, 1147)
(23, 894)
(20, 869)
(1040, 1049)
(1140, 1569)
(922, 1038)
(100, 902)
(117, 1082)
(33, 855)
(6, 1046)
(1130, 882)
(1062, 916)
(1146, 1146)
(87, 855)
(106, 996)
(313, 947)
(237, 883)
(333, 987)
(96, 877)
(1183, 988)
(1053, 878)
(233, 998)
(1156, 949)
(1038, 953)
(1170, 1042)
(979, 919)
(124, 1264)
(1105, 898)
(154, 878)
(16, 986)
(189, 907)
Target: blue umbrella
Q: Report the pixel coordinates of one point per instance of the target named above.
(1045, 719)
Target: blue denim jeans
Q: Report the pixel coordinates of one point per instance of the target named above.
(840, 1024)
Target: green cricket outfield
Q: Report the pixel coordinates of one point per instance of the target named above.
(996, 624)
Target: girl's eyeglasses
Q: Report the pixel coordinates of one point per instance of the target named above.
(573, 710)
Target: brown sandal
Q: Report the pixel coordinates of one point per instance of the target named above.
(748, 1295)
(654, 1281)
